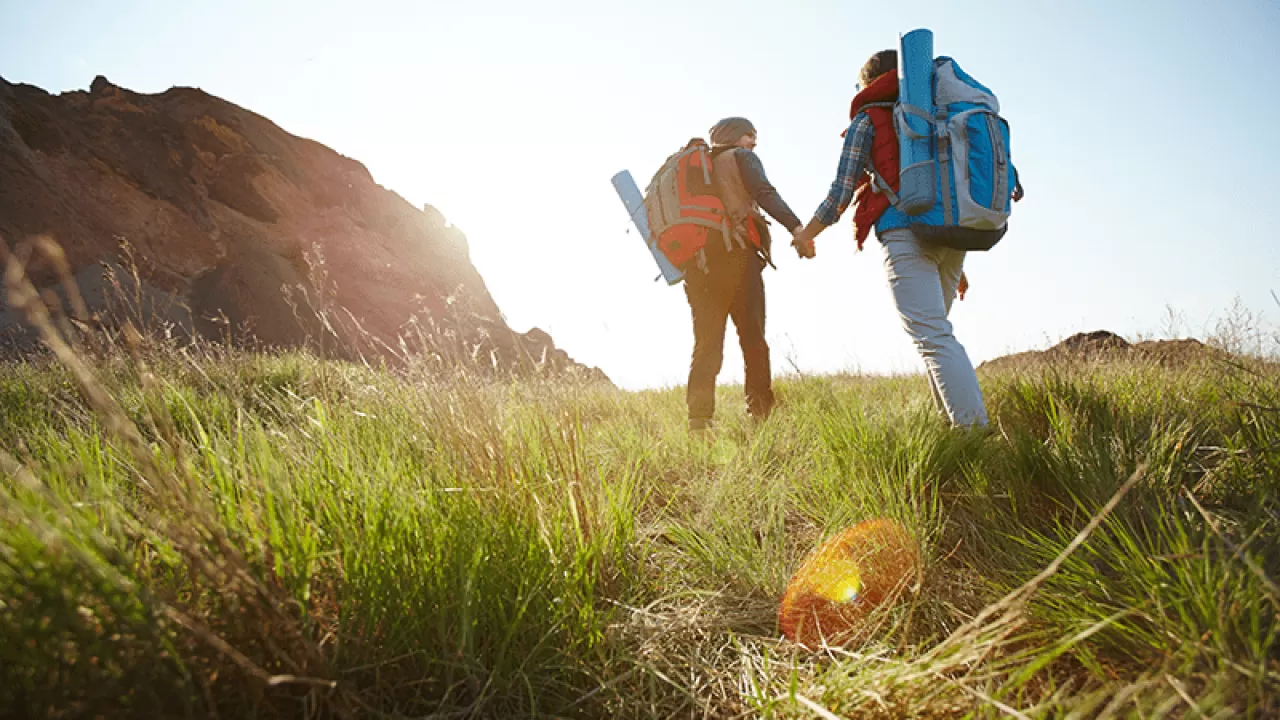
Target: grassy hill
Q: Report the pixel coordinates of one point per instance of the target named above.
(240, 535)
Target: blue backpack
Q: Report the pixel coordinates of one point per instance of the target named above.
(957, 179)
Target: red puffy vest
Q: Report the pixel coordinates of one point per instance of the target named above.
(869, 205)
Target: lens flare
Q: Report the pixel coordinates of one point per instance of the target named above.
(838, 585)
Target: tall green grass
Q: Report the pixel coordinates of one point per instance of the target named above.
(251, 535)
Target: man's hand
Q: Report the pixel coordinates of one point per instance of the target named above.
(963, 287)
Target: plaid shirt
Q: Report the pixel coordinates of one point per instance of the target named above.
(853, 163)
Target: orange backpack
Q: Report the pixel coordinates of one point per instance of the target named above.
(682, 206)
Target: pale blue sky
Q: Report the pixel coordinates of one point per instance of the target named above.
(1142, 131)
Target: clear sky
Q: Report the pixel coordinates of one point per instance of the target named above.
(1144, 132)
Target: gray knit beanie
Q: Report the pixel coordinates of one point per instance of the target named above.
(728, 130)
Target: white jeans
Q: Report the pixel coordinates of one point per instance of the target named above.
(923, 279)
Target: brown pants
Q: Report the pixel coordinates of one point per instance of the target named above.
(732, 288)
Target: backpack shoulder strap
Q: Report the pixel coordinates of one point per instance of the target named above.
(878, 185)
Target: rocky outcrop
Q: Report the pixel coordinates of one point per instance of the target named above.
(1104, 346)
(252, 233)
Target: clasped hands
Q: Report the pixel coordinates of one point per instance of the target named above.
(802, 241)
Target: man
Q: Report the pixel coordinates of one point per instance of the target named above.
(924, 278)
(729, 284)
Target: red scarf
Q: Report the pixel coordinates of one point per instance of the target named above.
(869, 205)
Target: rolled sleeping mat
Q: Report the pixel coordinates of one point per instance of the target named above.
(633, 201)
(913, 119)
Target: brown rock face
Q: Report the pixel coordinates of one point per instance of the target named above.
(249, 228)
(1104, 346)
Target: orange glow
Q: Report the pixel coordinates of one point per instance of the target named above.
(841, 582)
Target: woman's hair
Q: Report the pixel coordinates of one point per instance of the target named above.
(879, 64)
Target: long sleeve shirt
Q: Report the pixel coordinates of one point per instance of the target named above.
(853, 164)
(763, 192)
